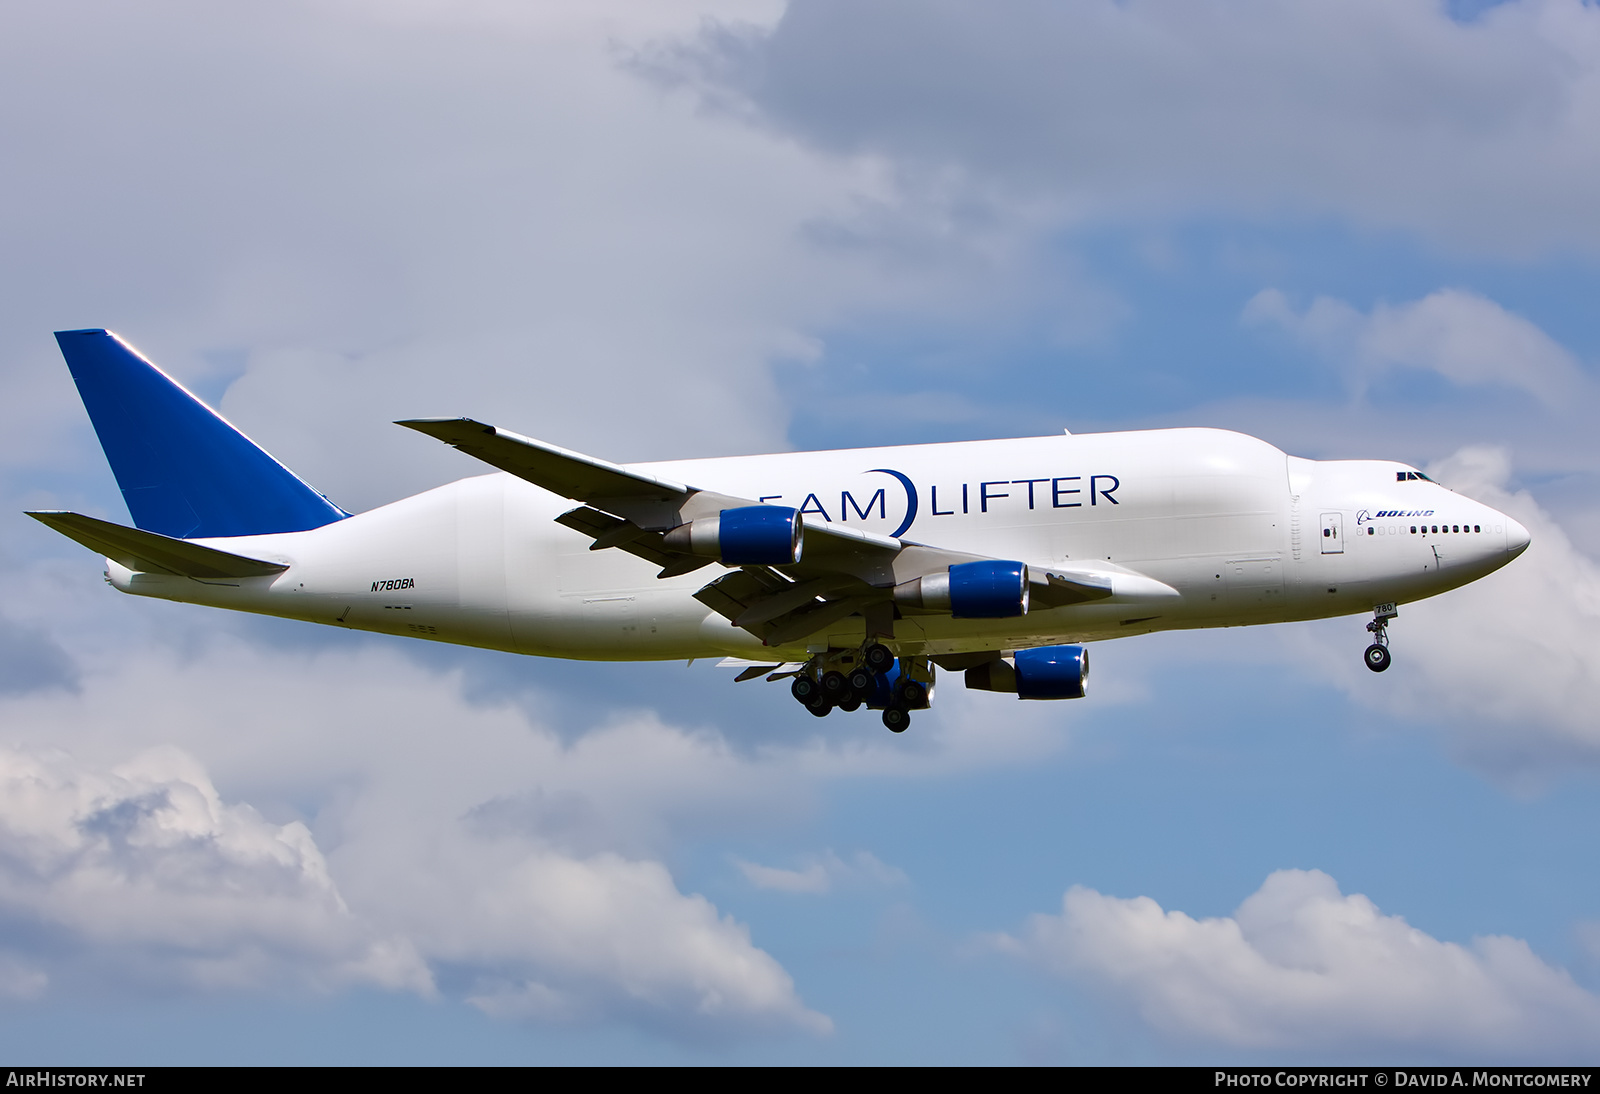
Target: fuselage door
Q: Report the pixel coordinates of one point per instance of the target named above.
(1332, 534)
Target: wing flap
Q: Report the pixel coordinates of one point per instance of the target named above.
(799, 595)
(780, 611)
(801, 624)
(732, 593)
(609, 531)
(151, 552)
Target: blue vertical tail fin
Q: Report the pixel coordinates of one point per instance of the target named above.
(184, 471)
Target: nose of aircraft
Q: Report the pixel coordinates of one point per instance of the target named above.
(1517, 538)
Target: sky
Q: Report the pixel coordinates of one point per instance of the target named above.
(668, 229)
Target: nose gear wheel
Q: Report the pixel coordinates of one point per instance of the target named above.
(1377, 655)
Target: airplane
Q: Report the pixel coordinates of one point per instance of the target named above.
(856, 575)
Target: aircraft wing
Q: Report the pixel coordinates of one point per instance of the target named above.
(629, 509)
(656, 502)
(841, 571)
(151, 552)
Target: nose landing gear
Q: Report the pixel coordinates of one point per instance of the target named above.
(1377, 655)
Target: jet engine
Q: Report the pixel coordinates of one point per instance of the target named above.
(971, 590)
(1045, 672)
(755, 535)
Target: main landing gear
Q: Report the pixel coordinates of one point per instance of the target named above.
(872, 677)
(1377, 655)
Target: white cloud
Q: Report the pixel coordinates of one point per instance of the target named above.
(1389, 112)
(30, 659)
(376, 211)
(1538, 620)
(364, 215)
(1300, 966)
(821, 873)
(1507, 667)
(144, 874)
(1588, 935)
(518, 866)
(146, 863)
(563, 938)
(20, 978)
(1464, 337)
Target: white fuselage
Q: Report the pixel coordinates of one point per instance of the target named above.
(1242, 532)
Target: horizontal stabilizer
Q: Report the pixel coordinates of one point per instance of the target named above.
(151, 552)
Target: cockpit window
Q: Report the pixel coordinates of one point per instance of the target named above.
(1404, 476)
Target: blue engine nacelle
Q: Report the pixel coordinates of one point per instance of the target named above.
(755, 535)
(1045, 672)
(988, 589)
(1052, 672)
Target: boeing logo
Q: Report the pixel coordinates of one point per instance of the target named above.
(1365, 517)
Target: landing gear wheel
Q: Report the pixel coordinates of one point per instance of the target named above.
(850, 704)
(820, 706)
(804, 689)
(1377, 655)
(912, 694)
(863, 683)
(878, 657)
(897, 719)
(834, 685)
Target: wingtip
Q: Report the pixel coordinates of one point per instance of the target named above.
(432, 426)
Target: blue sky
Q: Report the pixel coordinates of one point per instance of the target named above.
(657, 230)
